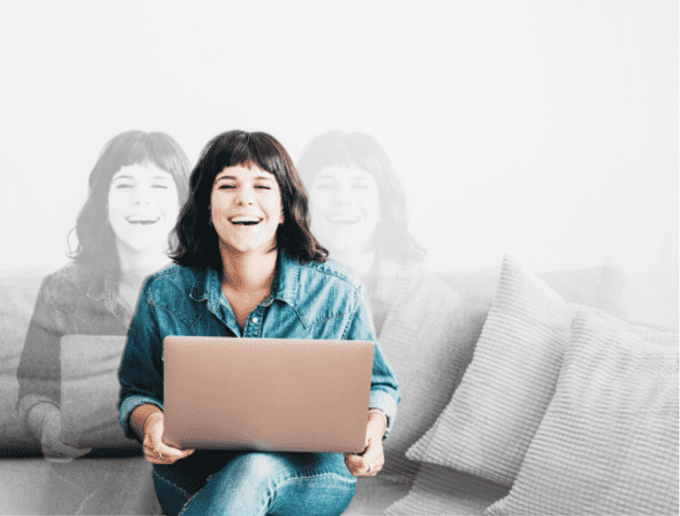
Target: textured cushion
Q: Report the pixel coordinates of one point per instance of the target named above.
(373, 495)
(83, 486)
(90, 391)
(487, 427)
(608, 443)
(427, 342)
(438, 490)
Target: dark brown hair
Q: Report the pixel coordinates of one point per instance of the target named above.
(96, 239)
(198, 241)
(392, 236)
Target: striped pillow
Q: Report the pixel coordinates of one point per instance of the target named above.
(491, 419)
(608, 443)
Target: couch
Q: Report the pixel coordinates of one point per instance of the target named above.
(544, 399)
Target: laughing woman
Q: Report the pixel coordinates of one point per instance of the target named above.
(135, 191)
(359, 214)
(247, 265)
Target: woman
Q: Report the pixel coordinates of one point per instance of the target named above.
(135, 192)
(359, 213)
(247, 265)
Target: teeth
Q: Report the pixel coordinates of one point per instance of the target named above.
(134, 220)
(245, 220)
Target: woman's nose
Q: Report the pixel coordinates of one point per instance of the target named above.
(141, 195)
(343, 195)
(244, 195)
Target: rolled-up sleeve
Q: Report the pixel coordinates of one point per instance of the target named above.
(140, 373)
(385, 393)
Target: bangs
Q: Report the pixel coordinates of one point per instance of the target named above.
(154, 152)
(136, 147)
(342, 149)
(248, 150)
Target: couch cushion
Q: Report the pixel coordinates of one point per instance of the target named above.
(608, 443)
(83, 486)
(374, 494)
(493, 415)
(438, 490)
(426, 339)
(18, 291)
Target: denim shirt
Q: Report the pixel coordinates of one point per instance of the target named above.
(72, 300)
(311, 301)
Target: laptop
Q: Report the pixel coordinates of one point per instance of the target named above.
(293, 395)
(90, 391)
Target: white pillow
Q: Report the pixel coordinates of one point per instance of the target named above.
(491, 419)
(608, 443)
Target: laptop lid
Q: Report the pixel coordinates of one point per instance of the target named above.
(266, 394)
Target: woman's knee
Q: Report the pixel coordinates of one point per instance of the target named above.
(323, 494)
(256, 465)
(295, 484)
(170, 496)
(276, 483)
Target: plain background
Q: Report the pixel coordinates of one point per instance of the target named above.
(543, 129)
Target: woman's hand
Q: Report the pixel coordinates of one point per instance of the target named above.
(155, 450)
(371, 461)
(53, 448)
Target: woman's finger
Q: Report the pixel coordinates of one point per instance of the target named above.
(367, 464)
(363, 467)
(371, 461)
(160, 453)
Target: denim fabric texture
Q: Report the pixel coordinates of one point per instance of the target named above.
(253, 483)
(71, 300)
(311, 301)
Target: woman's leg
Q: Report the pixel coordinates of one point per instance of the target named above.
(259, 483)
(175, 484)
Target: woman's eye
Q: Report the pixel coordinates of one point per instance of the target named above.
(123, 186)
(264, 187)
(159, 185)
(361, 186)
(225, 186)
(324, 186)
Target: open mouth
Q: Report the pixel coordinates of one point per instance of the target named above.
(245, 221)
(143, 221)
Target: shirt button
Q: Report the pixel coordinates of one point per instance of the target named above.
(254, 319)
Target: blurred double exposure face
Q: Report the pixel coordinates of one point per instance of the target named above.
(143, 207)
(345, 208)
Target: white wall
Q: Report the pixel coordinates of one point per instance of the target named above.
(548, 130)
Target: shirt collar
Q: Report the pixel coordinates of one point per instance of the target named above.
(104, 287)
(207, 286)
(286, 283)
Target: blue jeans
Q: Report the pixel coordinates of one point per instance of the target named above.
(254, 483)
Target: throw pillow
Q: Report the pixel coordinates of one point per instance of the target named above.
(427, 340)
(488, 425)
(608, 443)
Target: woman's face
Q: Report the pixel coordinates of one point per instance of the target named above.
(246, 208)
(143, 207)
(345, 207)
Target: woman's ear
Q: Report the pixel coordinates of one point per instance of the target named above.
(282, 218)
